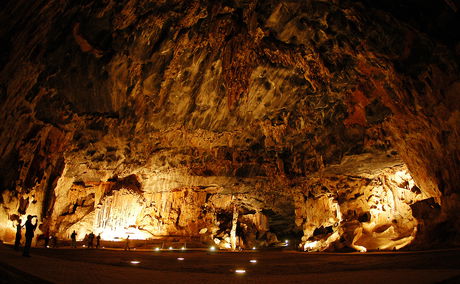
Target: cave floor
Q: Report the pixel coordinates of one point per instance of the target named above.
(64, 265)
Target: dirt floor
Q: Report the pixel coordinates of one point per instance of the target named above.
(65, 265)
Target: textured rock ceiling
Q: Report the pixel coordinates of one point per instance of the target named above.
(234, 122)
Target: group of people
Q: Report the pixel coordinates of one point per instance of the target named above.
(91, 240)
(30, 226)
(30, 230)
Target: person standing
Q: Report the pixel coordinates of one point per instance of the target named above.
(30, 229)
(54, 242)
(98, 241)
(90, 240)
(17, 241)
(127, 244)
(73, 237)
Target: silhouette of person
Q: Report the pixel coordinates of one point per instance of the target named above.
(90, 240)
(127, 244)
(30, 228)
(47, 239)
(54, 241)
(73, 237)
(98, 241)
(17, 241)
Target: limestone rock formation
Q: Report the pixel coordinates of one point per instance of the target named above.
(237, 123)
(358, 212)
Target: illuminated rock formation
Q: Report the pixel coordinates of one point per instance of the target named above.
(357, 212)
(333, 123)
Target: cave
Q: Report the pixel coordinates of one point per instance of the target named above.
(318, 125)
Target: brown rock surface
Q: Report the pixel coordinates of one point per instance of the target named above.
(171, 118)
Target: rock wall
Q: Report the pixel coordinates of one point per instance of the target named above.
(362, 213)
(121, 207)
(177, 106)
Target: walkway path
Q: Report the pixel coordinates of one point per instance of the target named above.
(114, 266)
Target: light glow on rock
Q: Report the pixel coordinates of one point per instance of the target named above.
(310, 245)
(253, 261)
(116, 215)
(361, 248)
(120, 235)
(240, 271)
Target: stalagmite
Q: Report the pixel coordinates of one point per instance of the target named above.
(234, 225)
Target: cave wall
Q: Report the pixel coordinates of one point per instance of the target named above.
(363, 213)
(192, 212)
(250, 97)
